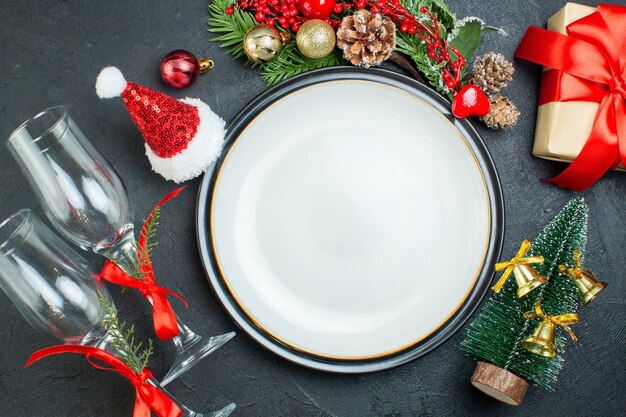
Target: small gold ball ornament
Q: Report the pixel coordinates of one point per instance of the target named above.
(315, 39)
(262, 43)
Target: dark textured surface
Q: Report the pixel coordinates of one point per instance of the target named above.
(51, 53)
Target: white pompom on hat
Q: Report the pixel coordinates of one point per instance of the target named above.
(183, 137)
(110, 83)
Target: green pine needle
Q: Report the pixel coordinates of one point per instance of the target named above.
(122, 339)
(231, 27)
(148, 232)
(496, 333)
(444, 15)
(290, 62)
(415, 48)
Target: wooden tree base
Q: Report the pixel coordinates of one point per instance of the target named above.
(499, 383)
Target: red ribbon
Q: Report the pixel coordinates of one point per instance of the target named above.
(587, 65)
(163, 316)
(148, 397)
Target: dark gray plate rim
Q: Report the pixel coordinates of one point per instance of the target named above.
(454, 323)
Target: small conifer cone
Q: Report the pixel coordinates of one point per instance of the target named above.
(492, 72)
(366, 38)
(503, 114)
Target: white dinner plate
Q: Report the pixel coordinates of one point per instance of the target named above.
(349, 219)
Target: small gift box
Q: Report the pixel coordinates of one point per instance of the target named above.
(563, 127)
(582, 111)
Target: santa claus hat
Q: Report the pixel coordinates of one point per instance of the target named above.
(182, 137)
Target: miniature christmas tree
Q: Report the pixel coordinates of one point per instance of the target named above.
(495, 336)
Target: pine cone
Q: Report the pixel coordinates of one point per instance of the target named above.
(503, 114)
(492, 72)
(366, 39)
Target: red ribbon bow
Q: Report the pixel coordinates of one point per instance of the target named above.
(148, 397)
(163, 316)
(587, 65)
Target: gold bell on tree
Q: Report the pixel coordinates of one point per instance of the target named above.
(585, 280)
(541, 342)
(526, 277)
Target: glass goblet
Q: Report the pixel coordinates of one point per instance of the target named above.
(86, 202)
(56, 291)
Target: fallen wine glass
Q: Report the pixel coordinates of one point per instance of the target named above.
(86, 202)
(55, 290)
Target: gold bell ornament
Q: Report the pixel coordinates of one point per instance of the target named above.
(541, 342)
(586, 283)
(526, 277)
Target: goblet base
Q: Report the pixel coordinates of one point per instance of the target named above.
(219, 413)
(194, 353)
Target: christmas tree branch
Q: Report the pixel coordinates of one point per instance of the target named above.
(415, 48)
(122, 339)
(232, 28)
(459, 38)
(148, 232)
(140, 266)
(290, 62)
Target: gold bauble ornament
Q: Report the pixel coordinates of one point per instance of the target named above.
(315, 39)
(263, 43)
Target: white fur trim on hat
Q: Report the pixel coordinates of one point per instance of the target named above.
(110, 83)
(203, 148)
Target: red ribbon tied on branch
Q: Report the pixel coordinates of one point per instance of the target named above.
(587, 65)
(148, 397)
(163, 316)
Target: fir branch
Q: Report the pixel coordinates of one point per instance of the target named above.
(415, 48)
(122, 339)
(496, 333)
(232, 27)
(148, 232)
(444, 15)
(290, 62)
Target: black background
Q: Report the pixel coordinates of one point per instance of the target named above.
(51, 53)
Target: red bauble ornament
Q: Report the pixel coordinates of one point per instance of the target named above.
(470, 101)
(316, 9)
(180, 68)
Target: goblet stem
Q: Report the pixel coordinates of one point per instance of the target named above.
(100, 338)
(190, 347)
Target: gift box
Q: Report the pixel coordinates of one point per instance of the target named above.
(581, 72)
